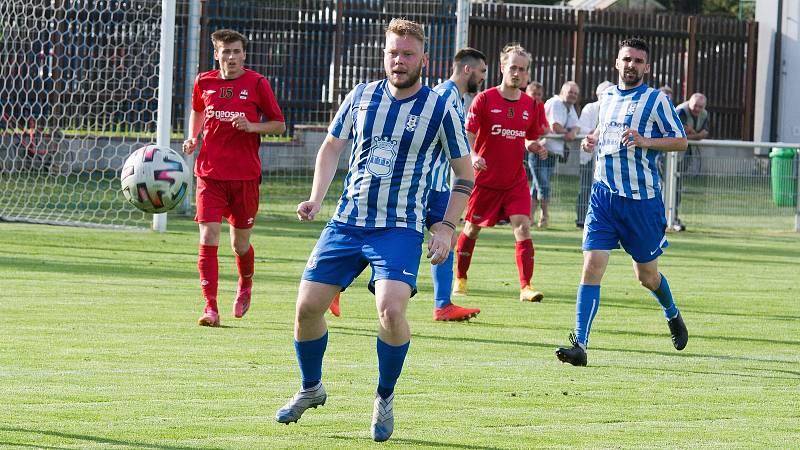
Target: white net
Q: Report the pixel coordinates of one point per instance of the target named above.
(79, 94)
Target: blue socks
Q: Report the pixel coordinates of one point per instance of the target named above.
(442, 275)
(309, 358)
(586, 306)
(664, 297)
(390, 363)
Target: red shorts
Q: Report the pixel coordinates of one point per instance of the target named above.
(236, 200)
(486, 206)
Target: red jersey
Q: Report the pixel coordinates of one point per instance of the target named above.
(228, 153)
(500, 127)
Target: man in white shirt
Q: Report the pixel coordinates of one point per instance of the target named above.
(587, 123)
(563, 119)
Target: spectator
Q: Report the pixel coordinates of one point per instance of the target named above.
(694, 116)
(563, 119)
(587, 123)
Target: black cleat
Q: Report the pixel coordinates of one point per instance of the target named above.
(680, 335)
(574, 355)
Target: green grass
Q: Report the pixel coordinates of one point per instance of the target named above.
(99, 348)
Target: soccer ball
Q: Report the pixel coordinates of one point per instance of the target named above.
(155, 179)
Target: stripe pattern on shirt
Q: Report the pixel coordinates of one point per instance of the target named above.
(448, 90)
(632, 171)
(396, 144)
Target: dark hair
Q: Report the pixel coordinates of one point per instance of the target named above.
(226, 36)
(468, 56)
(638, 44)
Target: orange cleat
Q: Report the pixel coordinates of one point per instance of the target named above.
(335, 305)
(210, 318)
(455, 313)
(242, 303)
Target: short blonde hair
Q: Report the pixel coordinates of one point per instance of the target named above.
(516, 49)
(403, 27)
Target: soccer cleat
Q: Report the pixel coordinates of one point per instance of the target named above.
(574, 355)
(210, 318)
(300, 402)
(382, 418)
(680, 335)
(335, 310)
(242, 303)
(527, 294)
(460, 286)
(456, 313)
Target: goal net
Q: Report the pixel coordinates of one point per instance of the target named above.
(79, 94)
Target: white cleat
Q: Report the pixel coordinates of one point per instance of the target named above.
(302, 400)
(382, 418)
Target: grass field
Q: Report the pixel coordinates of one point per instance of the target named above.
(99, 349)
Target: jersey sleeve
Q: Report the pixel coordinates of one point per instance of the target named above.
(539, 123)
(667, 119)
(197, 96)
(342, 125)
(452, 134)
(267, 102)
(473, 122)
(556, 113)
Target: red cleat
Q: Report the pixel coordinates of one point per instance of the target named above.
(335, 305)
(210, 318)
(454, 312)
(242, 303)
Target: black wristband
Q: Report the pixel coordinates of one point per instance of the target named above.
(449, 224)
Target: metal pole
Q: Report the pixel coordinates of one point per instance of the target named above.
(163, 126)
(192, 61)
(797, 197)
(777, 68)
(671, 178)
(462, 24)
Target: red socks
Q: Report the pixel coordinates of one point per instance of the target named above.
(209, 274)
(464, 249)
(246, 264)
(524, 253)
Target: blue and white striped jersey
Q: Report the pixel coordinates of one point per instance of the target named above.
(441, 170)
(395, 147)
(631, 171)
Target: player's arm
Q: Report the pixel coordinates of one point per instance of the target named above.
(667, 120)
(588, 143)
(268, 127)
(195, 127)
(477, 161)
(442, 233)
(631, 137)
(324, 171)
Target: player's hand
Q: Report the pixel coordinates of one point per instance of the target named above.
(588, 143)
(242, 124)
(307, 210)
(538, 149)
(439, 243)
(189, 145)
(478, 163)
(632, 138)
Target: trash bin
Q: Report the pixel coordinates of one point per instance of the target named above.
(784, 180)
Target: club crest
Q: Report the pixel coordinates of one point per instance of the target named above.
(411, 122)
(381, 156)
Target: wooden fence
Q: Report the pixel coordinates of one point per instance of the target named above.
(315, 51)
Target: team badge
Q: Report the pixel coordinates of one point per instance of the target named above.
(243, 94)
(631, 108)
(411, 122)
(510, 113)
(525, 115)
(311, 264)
(381, 156)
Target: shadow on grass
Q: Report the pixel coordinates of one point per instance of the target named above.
(93, 439)
(734, 374)
(421, 442)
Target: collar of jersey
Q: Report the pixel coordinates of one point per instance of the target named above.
(405, 100)
(641, 88)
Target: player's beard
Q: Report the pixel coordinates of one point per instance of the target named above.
(473, 84)
(413, 77)
(631, 78)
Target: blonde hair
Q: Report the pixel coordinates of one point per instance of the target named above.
(403, 27)
(516, 49)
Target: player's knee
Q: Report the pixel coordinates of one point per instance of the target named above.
(240, 248)
(391, 317)
(649, 281)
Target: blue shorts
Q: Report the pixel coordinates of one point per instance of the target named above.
(437, 205)
(639, 225)
(344, 251)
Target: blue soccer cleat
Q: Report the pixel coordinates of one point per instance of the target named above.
(382, 418)
(300, 402)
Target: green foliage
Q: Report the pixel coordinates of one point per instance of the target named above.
(99, 348)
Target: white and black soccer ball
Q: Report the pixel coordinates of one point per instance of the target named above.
(155, 179)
